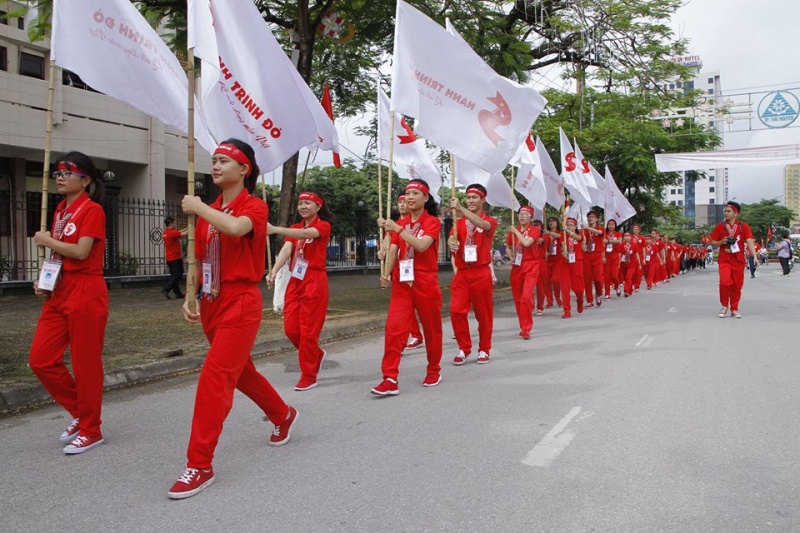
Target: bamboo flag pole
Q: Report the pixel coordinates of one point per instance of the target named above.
(264, 197)
(191, 281)
(513, 237)
(380, 210)
(48, 140)
(386, 240)
(453, 193)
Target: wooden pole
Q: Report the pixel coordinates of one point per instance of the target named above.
(264, 197)
(513, 237)
(453, 193)
(386, 240)
(191, 281)
(48, 140)
(380, 211)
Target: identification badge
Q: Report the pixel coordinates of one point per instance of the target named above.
(591, 245)
(206, 278)
(470, 253)
(518, 259)
(571, 257)
(626, 258)
(407, 270)
(609, 248)
(734, 248)
(647, 258)
(300, 267)
(49, 275)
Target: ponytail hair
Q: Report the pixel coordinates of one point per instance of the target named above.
(430, 206)
(250, 179)
(96, 188)
(324, 212)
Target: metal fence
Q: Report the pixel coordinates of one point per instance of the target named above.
(134, 245)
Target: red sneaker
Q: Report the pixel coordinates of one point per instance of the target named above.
(483, 357)
(566, 315)
(281, 433)
(70, 433)
(387, 387)
(305, 384)
(461, 358)
(580, 306)
(82, 444)
(414, 343)
(525, 336)
(190, 483)
(589, 304)
(321, 359)
(431, 380)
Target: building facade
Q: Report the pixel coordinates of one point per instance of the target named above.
(791, 193)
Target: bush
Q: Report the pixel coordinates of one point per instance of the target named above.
(128, 264)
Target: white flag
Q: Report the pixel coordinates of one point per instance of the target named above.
(115, 51)
(498, 191)
(616, 205)
(462, 104)
(571, 171)
(530, 180)
(553, 183)
(408, 148)
(593, 180)
(251, 91)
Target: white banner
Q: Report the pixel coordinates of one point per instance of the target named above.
(744, 157)
(498, 191)
(571, 171)
(116, 52)
(616, 206)
(553, 183)
(462, 104)
(530, 180)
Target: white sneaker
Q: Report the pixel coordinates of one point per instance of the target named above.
(723, 312)
(483, 358)
(70, 433)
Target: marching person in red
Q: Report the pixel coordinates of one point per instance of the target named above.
(521, 242)
(639, 242)
(306, 300)
(173, 256)
(415, 246)
(553, 250)
(415, 337)
(75, 310)
(731, 236)
(543, 289)
(630, 262)
(471, 247)
(569, 269)
(611, 242)
(593, 260)
(230, 247)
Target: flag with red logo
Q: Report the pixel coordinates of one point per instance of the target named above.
(769, 233)
(328, 107)
(463, 105)
(616, 206)
(572, 172)
(589, 177)
(530, 179)
(498, 191)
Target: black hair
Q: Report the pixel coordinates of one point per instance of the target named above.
(250, 179)
(97, 193)
(430, 206)
(558, 223)
(324, 212)
(609, 221)
(479, 187)
(168, 221)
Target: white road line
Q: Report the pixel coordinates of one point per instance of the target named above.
(673, 310)
(644, 341)
(551, 446)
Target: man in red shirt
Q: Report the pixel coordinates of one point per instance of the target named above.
(472, 284)
(174, 257)
(731, 236)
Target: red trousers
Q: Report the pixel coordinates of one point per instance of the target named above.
(627, 272)
(637, 274)
(651, 271)
(230, 323)
(413, 328)
(523, 280)
(543, 288)
(424, 296)
(552, 276)
(473, 287)
(611, 272)
(74, 315)
(304, 308)
(593, 274)
(571, 278)
(731, 280)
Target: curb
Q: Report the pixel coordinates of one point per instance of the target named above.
(34, 396)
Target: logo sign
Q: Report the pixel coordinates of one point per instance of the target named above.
(778, 109)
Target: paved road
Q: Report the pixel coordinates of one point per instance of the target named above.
(648, 415)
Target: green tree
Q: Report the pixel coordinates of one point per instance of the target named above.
(766, 214)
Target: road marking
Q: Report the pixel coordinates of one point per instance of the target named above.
(644, 341)
(551, 446)
(673, 310)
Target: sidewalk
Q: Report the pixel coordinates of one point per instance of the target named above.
(147, 338)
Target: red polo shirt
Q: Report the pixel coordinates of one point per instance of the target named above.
(86, 219)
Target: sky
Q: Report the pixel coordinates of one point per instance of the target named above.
(755, 46)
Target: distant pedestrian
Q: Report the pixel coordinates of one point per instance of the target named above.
(306, 300)
(731, 236)
(230, 247)
(523, 241)
(75, 310)
(785, 254)
(173, 255)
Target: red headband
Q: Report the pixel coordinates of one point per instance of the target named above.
(592, 213)
(573, 220)
(72, 167)
(627, 234)
(418, 186)
(475, 190)
(311, 197)
(526, 209)
(732, 207)
(637, 226)
(401, 198)
(234, 153)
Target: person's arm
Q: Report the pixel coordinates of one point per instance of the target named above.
(225, 223)
(523, 240)
(79, 250)
(280, 260)
(295, 233)
(418, 244)
(391, 259)
(469, 215)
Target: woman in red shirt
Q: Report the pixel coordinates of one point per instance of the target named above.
(230, 246)
(569, 268)
(75, 310)
(415, 244)
(612, 241)
(306, 299)
(521, 243)
(553, 251)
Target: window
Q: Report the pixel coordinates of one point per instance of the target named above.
(3, 18)
(672, 191)
(31, 65)
(3, 58)
(711, 189)
(678, 85)
(680, 202)
(680, 191)
(711, 201)
(710, 91)
(711, 81)
(21, 23)
(711, 178)
(671, 86)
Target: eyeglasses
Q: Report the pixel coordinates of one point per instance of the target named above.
(65, 174)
